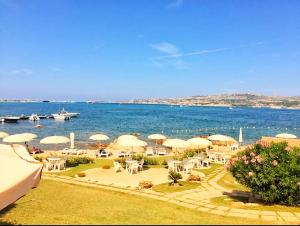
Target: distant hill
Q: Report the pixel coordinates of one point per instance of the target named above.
(230, 100)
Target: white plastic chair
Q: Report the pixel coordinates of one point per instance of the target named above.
(117, 166)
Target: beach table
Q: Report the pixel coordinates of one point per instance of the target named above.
(177, 165)
(129, 163)
(197, 160)
(54, 162)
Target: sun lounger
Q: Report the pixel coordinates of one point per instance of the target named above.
(104, 154)
(149, 152)
(121, 154)
(161, 152)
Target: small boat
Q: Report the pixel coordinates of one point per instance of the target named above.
(11, 119)
(230, 108)
(67, 114)
(34, 117)
(61, 117)
(39, 126)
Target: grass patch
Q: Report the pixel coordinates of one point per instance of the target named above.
(98, 163)
(60, 203)
(167, 188)
(229, 182)
(227, 201)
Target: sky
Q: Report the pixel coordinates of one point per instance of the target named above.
(119, 50)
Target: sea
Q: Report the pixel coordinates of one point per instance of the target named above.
(173, 121)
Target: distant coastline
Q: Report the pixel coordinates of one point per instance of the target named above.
(223, 100)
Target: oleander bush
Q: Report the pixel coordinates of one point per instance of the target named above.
(270, 171)
(75, 161)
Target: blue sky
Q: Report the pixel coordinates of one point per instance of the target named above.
(115, 50)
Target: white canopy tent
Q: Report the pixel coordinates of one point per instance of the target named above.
(18, 174)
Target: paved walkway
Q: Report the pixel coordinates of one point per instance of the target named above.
(198, 199)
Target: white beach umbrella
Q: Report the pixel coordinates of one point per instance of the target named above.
(176, 143)
(199, 142)
(131, 143)
(72, 138)
(55, 140)
(157, 137)
(99, 137)
(241, 136)
(19, 138)
(29, 135)
(3, 134)
(127, 137)
(286, 135)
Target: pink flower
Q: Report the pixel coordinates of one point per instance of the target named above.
(252, 154)
(288, 149)
(253, 160)
(250, 174)
(258, 159)
(244, 157)
(274, 163)
(246, 162)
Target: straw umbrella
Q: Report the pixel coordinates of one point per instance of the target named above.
(199, 142)
(286, 135)
(176, 143)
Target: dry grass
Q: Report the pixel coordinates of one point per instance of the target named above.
(60, 203)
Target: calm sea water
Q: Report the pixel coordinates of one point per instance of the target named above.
(173, 121)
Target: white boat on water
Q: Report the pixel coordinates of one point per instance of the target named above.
(61, 117)
(70, 114)
(11, 119)
(64, 115)
(34, 117)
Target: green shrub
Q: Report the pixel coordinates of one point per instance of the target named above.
(39, 158)
(271, 171)
(175, 177)
(189, 153)
(75, 161)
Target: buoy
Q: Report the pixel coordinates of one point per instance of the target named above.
(39, 126)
